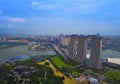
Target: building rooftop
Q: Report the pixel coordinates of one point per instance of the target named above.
(114, 60)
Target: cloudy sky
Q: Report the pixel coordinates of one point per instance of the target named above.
(60, 16)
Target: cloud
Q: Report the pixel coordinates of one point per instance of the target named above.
(35, 3)
(46, 7)
(17, 19)
(42, 6)
(13, 19)
(66, 5)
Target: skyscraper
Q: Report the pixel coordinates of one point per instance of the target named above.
(73, 47)
(82, 48)
(78, 49)
(95, 55)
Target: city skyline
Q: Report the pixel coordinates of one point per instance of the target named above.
(60, 16)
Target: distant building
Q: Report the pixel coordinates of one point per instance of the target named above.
(64, 41)
(13, 41)
(19, 41)
(3, 39)
(23, 41)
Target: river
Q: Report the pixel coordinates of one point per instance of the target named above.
(109, 53)
(22, 50)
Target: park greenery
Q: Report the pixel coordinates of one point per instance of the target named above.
(113, 75)
(51, 70)
(57, 72)
(42, 75)
(64, 66)
(59, 63)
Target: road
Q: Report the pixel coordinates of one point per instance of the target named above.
(59, 51)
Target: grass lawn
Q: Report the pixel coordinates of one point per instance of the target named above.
(113, 75)
(59, 63)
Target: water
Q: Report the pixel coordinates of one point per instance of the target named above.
(22, 50)
(19, 58)
(109, 53)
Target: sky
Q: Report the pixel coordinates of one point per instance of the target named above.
(54, 17)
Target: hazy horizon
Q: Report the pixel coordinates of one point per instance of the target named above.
(53, 17)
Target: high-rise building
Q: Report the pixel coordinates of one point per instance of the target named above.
(95, 55)
(73, 47)
(81, 50)
(78, 49)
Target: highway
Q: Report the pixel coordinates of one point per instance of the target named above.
(59, 51)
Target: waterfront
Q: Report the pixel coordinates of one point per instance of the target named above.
(109, 53)
(22, 50)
